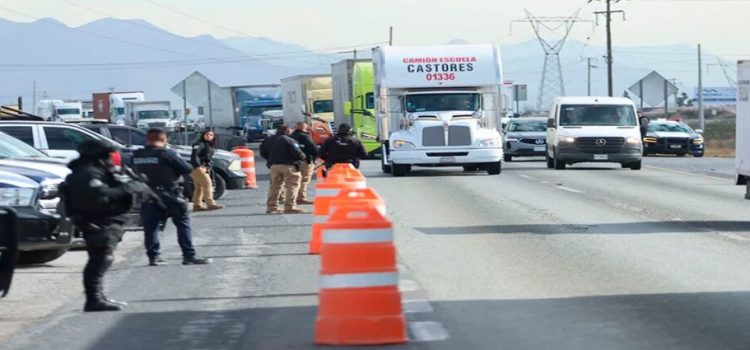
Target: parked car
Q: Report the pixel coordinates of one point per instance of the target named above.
(525, 137)
(41, 238)
(226, 165)
(672, 137)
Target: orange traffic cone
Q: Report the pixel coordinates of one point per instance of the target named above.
(350, 173)
(324, 192)
(247, 162)
(359, 301)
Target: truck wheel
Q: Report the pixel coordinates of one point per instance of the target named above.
(468, 168)
(386, 168)
(399, 170)
(635, 165)
(507, 157)
(494, 168)
(557, 163)
(40, 256)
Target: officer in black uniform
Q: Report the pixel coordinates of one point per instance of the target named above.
(342, 148)
(284, 157)
(97, 201)
(163, 168)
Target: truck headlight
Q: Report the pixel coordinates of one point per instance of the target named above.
(633, 140)
(17, 197)
(235, 165)
(649, 139)
(490, 143)
(49, 189)
(567, 139)
(398, 144)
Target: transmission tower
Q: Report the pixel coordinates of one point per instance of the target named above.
(552, 84)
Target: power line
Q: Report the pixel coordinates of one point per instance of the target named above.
(196, 18)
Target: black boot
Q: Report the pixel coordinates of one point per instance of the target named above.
(196, 260)
(113, 301)
(156, 261)
(97, 302)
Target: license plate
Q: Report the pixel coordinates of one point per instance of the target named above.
(539, 149)
(675, 146)
(447, 159)
(601, 157)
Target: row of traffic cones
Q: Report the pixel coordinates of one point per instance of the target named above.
(359, 300)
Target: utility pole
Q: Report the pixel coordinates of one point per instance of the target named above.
(701, 110)
(184, 110)
(590, 66)
(390, 36)
(610, 60)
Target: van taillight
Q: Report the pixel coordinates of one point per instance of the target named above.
(116, 158)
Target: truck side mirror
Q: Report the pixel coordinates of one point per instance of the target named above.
(303, 109)
(551, 123)
(348, 107)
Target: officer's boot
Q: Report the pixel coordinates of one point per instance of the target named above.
(98, 302)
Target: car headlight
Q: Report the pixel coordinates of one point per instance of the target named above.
(235, 165)
(49, 189)
(633, 140)
(493, 142)
(649, 139)
(17, 197)
(398, 144)
(698, 141)
(567, 139)
(511, 140)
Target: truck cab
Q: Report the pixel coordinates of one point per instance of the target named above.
(68, 111)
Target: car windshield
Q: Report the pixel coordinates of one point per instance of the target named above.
(11, 147)
(153, 115)
(323, 106)
(66, 111)
(664, 127)
(590, 115)
(528, 126)
(442, 102)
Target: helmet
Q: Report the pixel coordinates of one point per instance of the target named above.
(95, 149)
(344, 128)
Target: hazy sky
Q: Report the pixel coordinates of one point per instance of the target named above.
(721, 25)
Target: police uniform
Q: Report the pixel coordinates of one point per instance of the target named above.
(305, 141)
(97, 201)
(342, 148)
(163, 168)
(284, 157)
(201, 157)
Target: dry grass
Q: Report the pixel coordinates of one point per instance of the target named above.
(720, 148)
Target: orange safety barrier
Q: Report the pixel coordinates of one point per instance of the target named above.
(359, 300)
(247, 161)
(359, 197)
(324, 192)
(350, 173)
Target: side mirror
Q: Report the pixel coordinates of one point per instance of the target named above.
(348, 107)
(551, 123)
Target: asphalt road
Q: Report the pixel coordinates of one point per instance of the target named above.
(593, 257)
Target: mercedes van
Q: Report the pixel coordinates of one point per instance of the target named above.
(593, 129)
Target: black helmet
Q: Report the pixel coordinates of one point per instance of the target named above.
(344, 128)
(95, 149)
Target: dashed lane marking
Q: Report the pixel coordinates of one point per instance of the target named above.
(735, 236)
(424, 331)
(572, 190)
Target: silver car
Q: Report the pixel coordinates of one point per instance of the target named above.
(525, 137)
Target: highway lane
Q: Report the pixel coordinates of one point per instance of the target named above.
(590, 257)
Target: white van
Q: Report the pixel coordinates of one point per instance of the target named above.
(593, 129)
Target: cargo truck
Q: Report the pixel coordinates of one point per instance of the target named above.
(354, 101)
(439, 106)
(309, 98)
(59, 110)
(251, 102)
(742, 157)
(110, 106)
(152, 114)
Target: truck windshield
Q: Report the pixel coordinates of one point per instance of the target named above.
(323, 106)
(442, 102)
(67, 111)
(370, 100)
(590, 115)
(656, 127)
(253, 110)
(153, 115)
(528, 126)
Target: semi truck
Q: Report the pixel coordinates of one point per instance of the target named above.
(439, 106)
(110, 106)
(151, 114)
(742, 144)
(251, 102)
(309, 98)
(354, 101)
(59, 110)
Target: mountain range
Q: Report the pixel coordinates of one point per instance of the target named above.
(65, 62)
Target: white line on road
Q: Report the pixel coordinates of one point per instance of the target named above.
(407, 286)
(573, 190)
(735, 236)
(417, 305)
(527, 177)
(428, 331)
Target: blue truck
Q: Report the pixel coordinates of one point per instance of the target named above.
(252, 101)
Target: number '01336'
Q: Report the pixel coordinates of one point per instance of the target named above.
(441, 76)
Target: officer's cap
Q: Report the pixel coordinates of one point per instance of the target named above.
(344, 127)
(95, 149)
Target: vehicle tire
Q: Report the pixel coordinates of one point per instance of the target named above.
(557, 163)
(635, 165)
(550, 163)
(40, 256)
(698, 155)
(494, 168)
(681, 154)
(399, 170)
(220, 186)
(468, 168)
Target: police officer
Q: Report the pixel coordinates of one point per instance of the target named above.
(342, 148)
(284, 157)
(200, 159)
(305, 141)
(97, 201)
(163, 168)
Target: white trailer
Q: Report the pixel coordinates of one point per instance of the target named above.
(152, 114)
(439, 106)
(742, 158)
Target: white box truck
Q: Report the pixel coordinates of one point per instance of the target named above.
(742, 158)
(439, 106)
(309, 98)
(152, 114)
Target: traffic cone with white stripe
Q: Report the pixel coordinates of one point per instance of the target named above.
(349, 172)
(247, 163)
(359, 300)
(324, 192)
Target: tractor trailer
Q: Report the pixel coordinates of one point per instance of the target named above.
(354, 100)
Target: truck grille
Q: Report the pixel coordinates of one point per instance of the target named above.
(433, 136)
(459, 136)
(594, 144)
(157, 125)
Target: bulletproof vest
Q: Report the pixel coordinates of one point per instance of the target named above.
(155, 164)
(344, 148)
